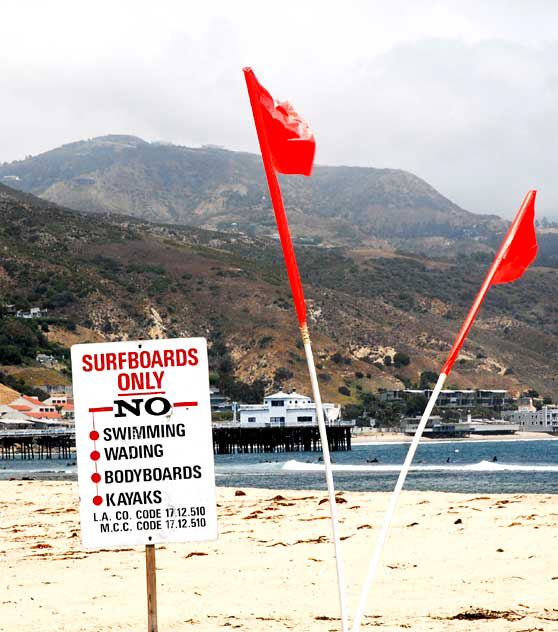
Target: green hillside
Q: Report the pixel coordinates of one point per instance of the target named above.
(112, 277)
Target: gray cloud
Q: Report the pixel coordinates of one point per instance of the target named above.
(464, 97)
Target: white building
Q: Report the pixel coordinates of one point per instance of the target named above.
(285, 409)
(525, 404)
(436, 427)
(543, 420)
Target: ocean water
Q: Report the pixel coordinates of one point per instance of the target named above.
(453, 466)
(513, 466)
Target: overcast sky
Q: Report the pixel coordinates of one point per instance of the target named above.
(464, 94)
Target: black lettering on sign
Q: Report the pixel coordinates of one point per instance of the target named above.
(146, 451)
(147, 475)
(132, 406)
(166, 406)
(153, 497)
(153, 431)
(153, 406)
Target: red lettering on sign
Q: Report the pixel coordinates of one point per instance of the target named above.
(193, 355)
(87, 366)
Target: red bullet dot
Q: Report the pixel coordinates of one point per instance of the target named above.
(95, 456)
(94, 435)
(97, 500)
(95, 477)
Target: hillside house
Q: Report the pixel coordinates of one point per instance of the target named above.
(32, 312)
(46, 360)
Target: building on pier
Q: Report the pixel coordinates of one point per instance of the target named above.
(285, 409)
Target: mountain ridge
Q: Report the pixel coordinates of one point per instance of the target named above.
(221, 189)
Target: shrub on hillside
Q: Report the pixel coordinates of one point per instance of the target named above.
(282, 374)
(401, 359)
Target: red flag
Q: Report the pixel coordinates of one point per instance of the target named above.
(517, 252)
(522, 248)
(287, 146)
(291, 143)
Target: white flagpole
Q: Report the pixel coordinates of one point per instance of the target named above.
(329, 476)
(300, 306)
(518, 266)
(393, 502)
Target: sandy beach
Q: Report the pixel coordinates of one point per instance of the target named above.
(453, 562)
(368, 436)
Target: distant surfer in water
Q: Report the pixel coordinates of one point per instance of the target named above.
(494, 459)
(374, 460)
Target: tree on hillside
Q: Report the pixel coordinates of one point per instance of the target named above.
(428, 379)
(401, 359)
(389, 414)
(415, 405)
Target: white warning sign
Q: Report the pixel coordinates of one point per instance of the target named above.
(144, 442)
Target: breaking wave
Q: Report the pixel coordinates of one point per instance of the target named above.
(482, 466)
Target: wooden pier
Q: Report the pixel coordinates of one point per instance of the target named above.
(40, 444)
(45, 444)
(236, 439)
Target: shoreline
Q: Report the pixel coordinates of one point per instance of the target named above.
(373, 438)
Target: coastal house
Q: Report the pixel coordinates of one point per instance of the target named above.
(27, 403)
(491, 426)
(286, 409)
(436, 427)
(58, 399)
(454, 398)
(13, 418)
(33, 408)
(543, 420)
(7, 412)
(218, 401)
(57, 408)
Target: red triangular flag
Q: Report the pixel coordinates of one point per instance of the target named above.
(521, 247)
(517, 252)
(291, 143)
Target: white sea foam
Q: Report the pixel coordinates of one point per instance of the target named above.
(482, 466)
(362, 444)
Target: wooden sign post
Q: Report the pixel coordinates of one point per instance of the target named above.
(144, 447)
(151, 575)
